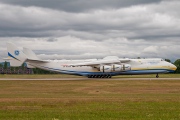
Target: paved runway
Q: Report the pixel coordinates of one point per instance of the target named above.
(93, 79)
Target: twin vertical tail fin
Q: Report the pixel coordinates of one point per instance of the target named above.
(31, 56)
(18, 57)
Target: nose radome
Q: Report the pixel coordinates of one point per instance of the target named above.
(174, 67)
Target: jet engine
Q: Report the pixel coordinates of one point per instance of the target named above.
(126, 67)
(105, 68)
(116, 68)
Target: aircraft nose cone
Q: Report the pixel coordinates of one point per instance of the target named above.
(174, 67)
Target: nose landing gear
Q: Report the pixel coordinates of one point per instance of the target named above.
(157, 76)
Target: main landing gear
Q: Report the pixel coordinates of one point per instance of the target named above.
(99, 76)
(157, 76)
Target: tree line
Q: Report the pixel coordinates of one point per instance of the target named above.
(5, 66)
(177, 64)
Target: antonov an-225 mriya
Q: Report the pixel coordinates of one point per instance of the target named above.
(92, 68)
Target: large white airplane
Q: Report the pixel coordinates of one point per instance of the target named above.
(92, 68)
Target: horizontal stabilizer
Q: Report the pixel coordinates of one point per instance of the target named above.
(8, 58)
(13, 62)
(36, 61)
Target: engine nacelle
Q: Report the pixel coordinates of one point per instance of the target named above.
(126, 67)
(116, 68)
(105, 68)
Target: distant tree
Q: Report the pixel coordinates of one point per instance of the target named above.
(16, 69)
(177, 64)
(12, 68)
(22, 66)
(40, 71)
(168, 60)
(5, 65)
(1, 65)
(138, 57)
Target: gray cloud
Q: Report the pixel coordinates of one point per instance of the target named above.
(79, 5)
(69, 47)
(141, 21)
(95, 29)
(52, 40)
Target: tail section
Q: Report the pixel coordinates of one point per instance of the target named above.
(13, 62)
(31, 56)
(17, 57)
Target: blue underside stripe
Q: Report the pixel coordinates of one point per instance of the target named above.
(12, 56)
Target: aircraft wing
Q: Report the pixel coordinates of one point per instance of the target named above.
(95, 63)
(124, 60)
(100, 62)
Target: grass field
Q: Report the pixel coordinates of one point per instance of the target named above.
(89, 99)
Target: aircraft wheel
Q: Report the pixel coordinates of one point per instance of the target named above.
(157, 76)
(107, 76)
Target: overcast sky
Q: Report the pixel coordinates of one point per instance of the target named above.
(74, 29)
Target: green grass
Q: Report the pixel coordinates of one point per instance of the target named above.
(90, 100)
(149, 76)
(37, 76)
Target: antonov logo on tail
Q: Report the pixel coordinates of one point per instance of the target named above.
(92, 68)
(16, 52)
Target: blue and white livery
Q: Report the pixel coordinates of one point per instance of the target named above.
(92, 68)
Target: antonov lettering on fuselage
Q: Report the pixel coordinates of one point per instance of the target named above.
(92, 68)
